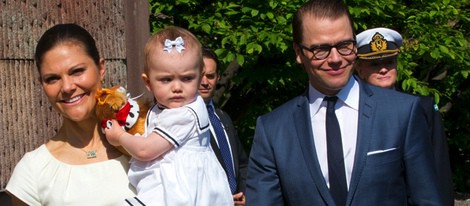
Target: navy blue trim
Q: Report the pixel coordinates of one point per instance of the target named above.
(136, 199)
(197, 120)
(167, 135)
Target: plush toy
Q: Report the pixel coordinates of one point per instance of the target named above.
(116, 103)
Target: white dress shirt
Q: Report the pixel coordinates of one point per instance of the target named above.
(347, 108)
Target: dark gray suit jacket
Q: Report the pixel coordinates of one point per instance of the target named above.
(440, 149)
(240, 159)
(283, 168)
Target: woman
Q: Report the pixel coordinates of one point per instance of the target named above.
(77, 166)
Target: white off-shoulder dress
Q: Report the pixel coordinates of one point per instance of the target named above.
(40, 179)
(189, 174)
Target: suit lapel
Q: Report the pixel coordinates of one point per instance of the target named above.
(302, 122)
(367, 108)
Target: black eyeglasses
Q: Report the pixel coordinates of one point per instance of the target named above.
(320, 52)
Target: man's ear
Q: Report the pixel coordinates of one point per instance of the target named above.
(298, 53)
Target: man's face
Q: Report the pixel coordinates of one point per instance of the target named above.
(209, 79)
(378, 72)
(331, 74)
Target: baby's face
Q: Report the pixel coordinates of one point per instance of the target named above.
(173, 77)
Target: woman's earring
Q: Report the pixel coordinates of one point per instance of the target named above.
(102, 81)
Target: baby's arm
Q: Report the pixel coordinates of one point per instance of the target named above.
(140, 147)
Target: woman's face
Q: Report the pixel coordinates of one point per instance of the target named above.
(70, 78)
(379, 72)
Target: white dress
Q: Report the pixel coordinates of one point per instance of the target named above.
(41, 179)
(188, 174)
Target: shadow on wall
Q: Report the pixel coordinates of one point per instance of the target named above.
(4, 199)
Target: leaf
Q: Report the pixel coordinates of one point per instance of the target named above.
(270, 15)
(220, 52)
(231, 13)
(272, 4)
(435, 53)
(206, 28)
(232, 5)
(241, 59)
(242, 39)
(436, 98)
(281, 20)
(258, 48)
(462, 42)
(443, 49)
(246, 9)
(224, 40)
(230, 56)
(465, 73)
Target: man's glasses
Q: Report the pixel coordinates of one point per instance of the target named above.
(320, 52)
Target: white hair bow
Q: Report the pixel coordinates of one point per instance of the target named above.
(178, 44)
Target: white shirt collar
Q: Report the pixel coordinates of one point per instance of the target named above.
(349, 95)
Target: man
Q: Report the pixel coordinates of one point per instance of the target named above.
(235, 163)
(377, 53)
(376, 63)
(383, 154)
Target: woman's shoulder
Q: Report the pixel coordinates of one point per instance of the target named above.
(37, 155)
(32, 160)
(27, 170)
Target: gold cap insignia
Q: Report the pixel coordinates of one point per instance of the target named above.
(378, 43)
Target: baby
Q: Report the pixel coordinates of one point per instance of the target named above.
(173, 163)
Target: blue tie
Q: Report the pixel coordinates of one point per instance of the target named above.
(223, 147)
(334, 147)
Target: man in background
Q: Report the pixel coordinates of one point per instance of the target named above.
(224, 139)
(377, 56)
(377, 59)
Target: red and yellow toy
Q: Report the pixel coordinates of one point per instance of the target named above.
(116, 103)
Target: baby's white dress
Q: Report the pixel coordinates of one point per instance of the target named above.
(189, 174)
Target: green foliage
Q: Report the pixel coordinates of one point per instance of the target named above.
(256, 34)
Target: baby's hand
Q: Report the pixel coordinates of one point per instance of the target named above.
(113, 132)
